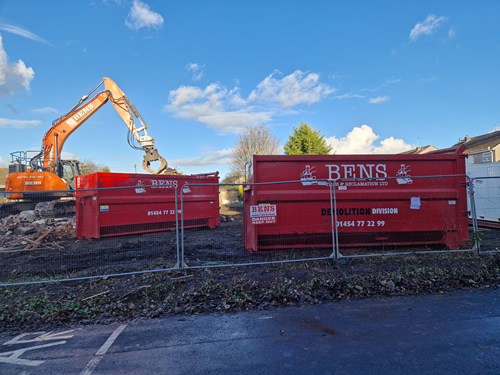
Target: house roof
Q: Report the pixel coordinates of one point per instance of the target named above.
(420, 150)
(480, 143)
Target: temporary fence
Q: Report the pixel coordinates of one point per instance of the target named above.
(429, 216)
(229, 245)
(83, 246)
(484, 208)
(284, 222)
(272, 223)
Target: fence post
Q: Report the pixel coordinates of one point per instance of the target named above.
(338, 255)
(182, 264)
(177, 264)
(334, 252)
(475, 228)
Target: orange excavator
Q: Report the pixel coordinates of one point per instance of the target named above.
(46, 177)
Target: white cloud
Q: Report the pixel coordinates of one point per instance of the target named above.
(427, 27)
(196, 69)
(296, 88)
(213, 106)
(348, 96)
(361, 140)
(227, 111)
(219, 157)
(141, 16)
(379, 99)
(69, 156)
(23, 32)
(451, 33)
(45, 110)
(3, 163)
(13, 76)
(18, 124)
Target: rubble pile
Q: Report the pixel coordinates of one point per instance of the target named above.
(27, 230)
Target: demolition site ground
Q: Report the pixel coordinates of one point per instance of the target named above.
(48, 249)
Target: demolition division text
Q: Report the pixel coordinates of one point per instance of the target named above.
(359, 211)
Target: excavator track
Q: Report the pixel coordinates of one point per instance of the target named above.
(57, 208)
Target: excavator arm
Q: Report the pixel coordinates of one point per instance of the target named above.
(62, 128)
(124, 108)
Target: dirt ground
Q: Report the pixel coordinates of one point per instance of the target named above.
(62, 255)
(203, 288)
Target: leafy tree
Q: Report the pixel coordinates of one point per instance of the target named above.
(306, 141)
(87, 166)
(254, 140)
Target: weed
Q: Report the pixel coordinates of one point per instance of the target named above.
(476, 237)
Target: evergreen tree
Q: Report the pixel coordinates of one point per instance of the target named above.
(306, 141)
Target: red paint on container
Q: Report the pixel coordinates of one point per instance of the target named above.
(143, 203)
(385, 203)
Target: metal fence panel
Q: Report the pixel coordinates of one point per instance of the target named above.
(109, 235)
(115, 233)
(421, 214)
(484, 203)
(272, 222)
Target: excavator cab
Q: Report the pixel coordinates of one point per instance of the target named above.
(28, 177)
(68, 170)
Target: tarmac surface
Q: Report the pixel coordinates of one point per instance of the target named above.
(457, 333)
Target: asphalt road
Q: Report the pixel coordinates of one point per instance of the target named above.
(456, 333)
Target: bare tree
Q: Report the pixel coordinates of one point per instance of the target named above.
(254, 140)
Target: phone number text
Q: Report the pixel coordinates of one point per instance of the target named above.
(162, 212)
(360, 223)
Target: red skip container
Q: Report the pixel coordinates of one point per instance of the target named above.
(390, 206)
(148, 205)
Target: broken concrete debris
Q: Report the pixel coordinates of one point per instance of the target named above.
(27, 230)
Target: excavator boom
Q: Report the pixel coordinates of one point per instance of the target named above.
(54, 139)
(46, 172)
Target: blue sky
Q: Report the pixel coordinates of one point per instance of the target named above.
(373, 76)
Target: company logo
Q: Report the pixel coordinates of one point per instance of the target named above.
(263, 210)
(307, 177)
(403, 176)
(349, 175)
(83, 112)
(164, 184)
(263, 214)
(139, 189)
(368, 171)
